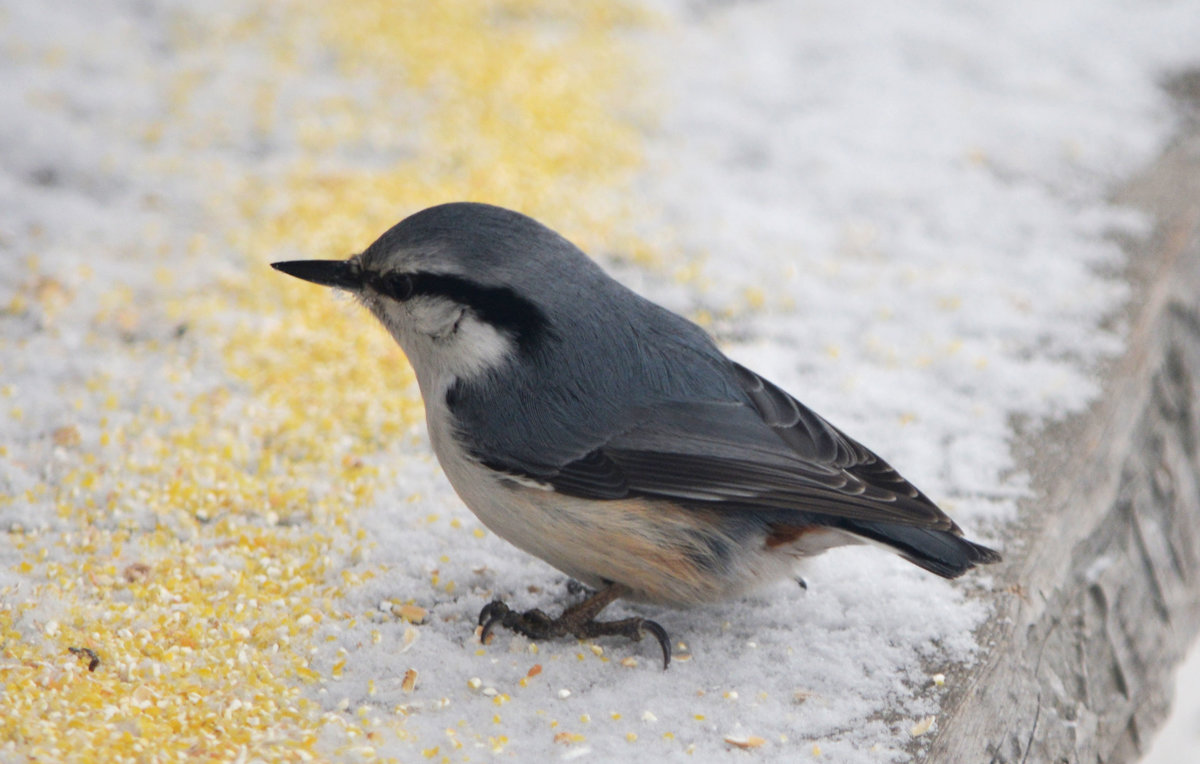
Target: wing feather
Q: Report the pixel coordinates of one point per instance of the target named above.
(769, 452)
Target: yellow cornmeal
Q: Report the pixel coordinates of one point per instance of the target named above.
(206, 624)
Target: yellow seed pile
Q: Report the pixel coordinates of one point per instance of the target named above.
(202, 548)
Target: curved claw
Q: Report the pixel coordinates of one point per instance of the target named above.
(492, 610)
(661, 635)
(492, 613)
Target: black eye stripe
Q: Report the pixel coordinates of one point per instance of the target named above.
(401, 286)
(501, 307)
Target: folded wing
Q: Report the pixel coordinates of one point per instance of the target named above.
(769, 453)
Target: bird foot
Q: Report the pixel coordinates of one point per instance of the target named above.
(579, 621)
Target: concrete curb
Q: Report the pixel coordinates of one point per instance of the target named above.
(1102, 601)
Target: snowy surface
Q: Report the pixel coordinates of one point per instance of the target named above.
(1178, 741)
(898, 215)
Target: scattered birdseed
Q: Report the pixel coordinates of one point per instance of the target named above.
(564, 694)
(745, 741)
(567, 738)
(414, 614)
(939, 679)
(410, 681)
(238, 491)
(649, 717)
(67, 436)
(923, 726)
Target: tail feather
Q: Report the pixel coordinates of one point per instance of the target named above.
(942, 552)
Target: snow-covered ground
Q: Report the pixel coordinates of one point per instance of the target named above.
(216, 479)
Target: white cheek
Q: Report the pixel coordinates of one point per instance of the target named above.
(477, 347)
(422, 316)
(443, 341)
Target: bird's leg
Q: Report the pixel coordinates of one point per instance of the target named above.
(579, 620)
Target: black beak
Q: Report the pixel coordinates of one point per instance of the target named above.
(331, 273)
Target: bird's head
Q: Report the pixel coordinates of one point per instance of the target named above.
(463, 288)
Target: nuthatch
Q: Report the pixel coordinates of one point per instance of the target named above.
(611, 437)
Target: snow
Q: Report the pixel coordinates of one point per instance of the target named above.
(900, 215)
(1179, 738)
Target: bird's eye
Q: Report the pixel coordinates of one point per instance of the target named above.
(398, 286)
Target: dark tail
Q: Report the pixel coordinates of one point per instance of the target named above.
(943, 552)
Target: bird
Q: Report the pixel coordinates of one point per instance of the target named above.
(611, 437)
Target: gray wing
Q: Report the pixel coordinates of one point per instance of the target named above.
(771, 452)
